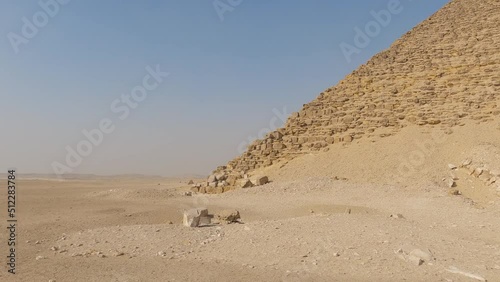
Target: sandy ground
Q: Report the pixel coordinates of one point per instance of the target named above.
(325, 217)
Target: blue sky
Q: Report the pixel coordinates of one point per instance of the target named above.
(226, 77)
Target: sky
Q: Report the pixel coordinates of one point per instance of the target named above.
(172, 87)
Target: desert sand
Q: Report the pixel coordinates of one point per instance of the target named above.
(347, 218)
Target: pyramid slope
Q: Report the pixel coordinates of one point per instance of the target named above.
(442, 73)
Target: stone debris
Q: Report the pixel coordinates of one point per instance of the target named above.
(261, 181)
(40, 257)
(451, 183)
(228, 216)
(223, 182)
(415, 260)
(452, 166)
(192, 217)
(245, 183)
(416, 256)
(466, 163)
(397, 216)
(424, 255)
(480, 171)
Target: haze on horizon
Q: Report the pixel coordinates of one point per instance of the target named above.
(231, 76)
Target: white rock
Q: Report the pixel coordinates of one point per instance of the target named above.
(467, 162)
(415, 260)
(451, 183)
(452, 166)
(424, 255)
(192, 217)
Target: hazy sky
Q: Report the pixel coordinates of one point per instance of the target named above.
(232, 73)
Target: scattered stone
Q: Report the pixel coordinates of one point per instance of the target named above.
(192, 217)
(424, 255)
(228, 216)
(415, 260)
(397, 216)
(466, 163)
(40, 257)
(212, 178)
(261, 180)
(245, 183)
(451, 183)
(477, 172)
(452, 166)
(455, 192)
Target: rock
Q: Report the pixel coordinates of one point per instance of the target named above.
(212, 178)
(40, 257)
(228, 216)
(397, 216)
(261, 180)
(231, 180)
(245, 183)
(477, 172)
(415, 260)
(191, 182)
(466, 163)
(424, 255)
(451, 183)
(192, 217)
(452, 166)
(220, 176)
(195, 189)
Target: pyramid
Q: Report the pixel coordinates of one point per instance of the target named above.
(443, 72)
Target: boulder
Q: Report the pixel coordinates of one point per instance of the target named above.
(261, 180)
(245, 183)
(220, 176)
(231, 180)
(193, 217)
(212, 178)
(228, 216)
(191, 182)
